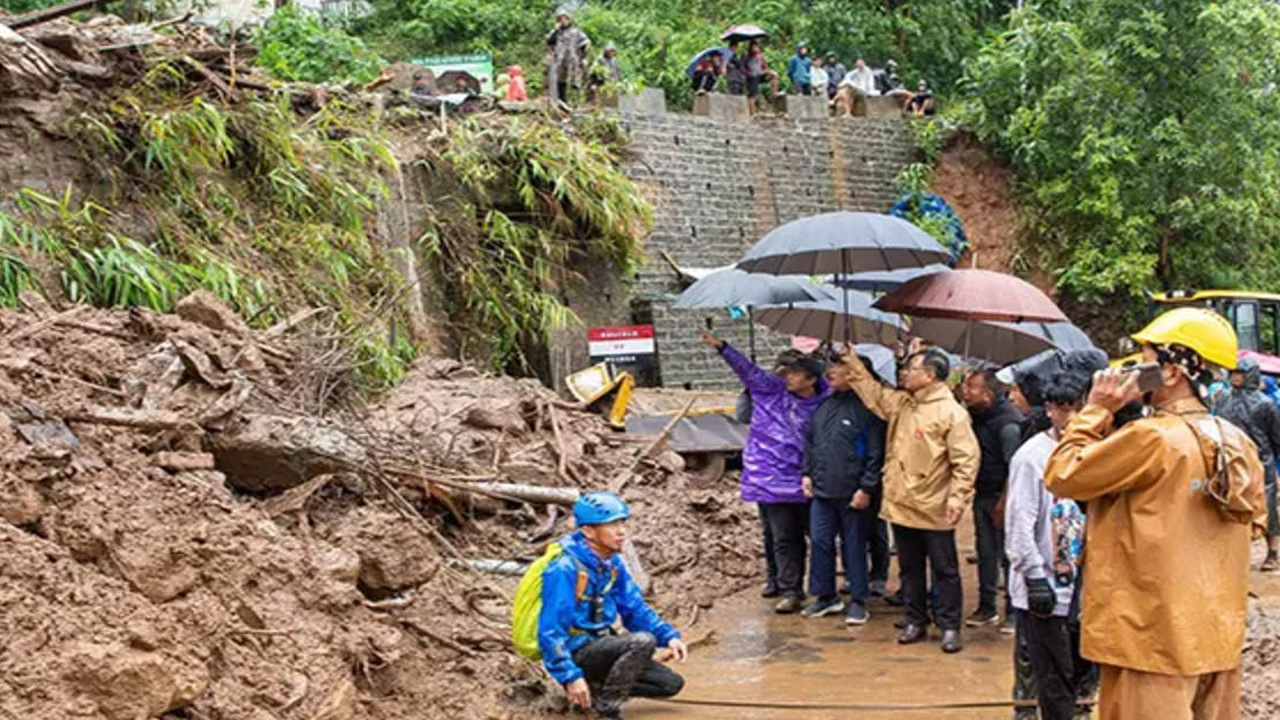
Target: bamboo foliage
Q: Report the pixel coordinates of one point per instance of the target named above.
(540, 201)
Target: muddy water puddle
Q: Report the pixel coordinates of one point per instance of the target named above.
(763, 657)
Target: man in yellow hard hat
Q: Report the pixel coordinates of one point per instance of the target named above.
(1172, 498)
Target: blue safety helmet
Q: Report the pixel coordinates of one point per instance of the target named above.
(598, 508)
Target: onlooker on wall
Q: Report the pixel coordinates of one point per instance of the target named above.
(818, 78)
(706, 73)
(567, 53)
(921, 102)
(859, 82)
(757, 73)
(735, 72)
(835, 73)
(798, 71)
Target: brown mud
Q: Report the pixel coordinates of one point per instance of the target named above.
(135, 587)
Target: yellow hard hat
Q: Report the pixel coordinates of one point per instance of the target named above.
(1203, 330)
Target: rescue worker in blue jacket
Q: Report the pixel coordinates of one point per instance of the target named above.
(584, 591)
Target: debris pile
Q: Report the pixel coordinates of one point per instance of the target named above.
(182, 534)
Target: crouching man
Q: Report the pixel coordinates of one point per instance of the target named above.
(584, 592)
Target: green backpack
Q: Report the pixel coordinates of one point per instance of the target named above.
(527, 604)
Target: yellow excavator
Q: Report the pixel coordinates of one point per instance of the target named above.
(1254, 315)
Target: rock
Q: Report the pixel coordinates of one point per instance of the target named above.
(129, 684)
(269, 452)
(508, 419)
(340, 704)
(178, 461)
(339, 564)
(20, 504)
(142, 634)
(205, 308)
(154, 573)
(670, 461)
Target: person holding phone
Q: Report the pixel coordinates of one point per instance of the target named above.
(1172, 498)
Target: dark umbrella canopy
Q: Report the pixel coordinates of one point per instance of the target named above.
(843, 243)
(999, 342)
(837, 319)
(733, 287)
(738, 33)
(887, 280)
(972, 295)
(723, 52)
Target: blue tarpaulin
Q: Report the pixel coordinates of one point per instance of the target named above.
(923, 205)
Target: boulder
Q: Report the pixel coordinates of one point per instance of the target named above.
(204, 308)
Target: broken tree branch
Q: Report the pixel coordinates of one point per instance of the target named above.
(44, 324)
(621, 480)
(52, 13)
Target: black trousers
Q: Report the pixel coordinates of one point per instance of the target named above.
(991, 557)
(1060, 674)
(617, 667)
(771, 565)
(788, 523)
(879, 545)
(937, 549)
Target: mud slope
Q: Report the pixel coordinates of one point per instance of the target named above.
(180, 542)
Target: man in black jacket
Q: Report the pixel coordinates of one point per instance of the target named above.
(999, 429)
(844, 454)
(1246, 407)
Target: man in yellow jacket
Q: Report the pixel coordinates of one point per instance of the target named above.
(1171, 499)
(931, 460)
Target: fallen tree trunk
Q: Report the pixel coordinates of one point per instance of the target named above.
(525, 493)
(271, 452)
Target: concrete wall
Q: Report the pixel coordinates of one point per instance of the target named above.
(718, 186)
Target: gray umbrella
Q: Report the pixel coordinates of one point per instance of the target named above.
(847, 318)
(887, 280)
(999, 342)
(883, 363)
(843, 243)
(732, 287)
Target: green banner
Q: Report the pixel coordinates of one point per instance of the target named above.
(453, 72)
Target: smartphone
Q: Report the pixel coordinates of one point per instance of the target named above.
(1149, 376)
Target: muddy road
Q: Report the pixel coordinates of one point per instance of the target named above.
(762, 657)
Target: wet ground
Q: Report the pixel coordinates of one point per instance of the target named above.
(762, 657)
(758, 656)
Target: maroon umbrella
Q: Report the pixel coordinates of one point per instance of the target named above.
(974, 295)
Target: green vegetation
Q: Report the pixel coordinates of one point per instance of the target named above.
(536, 203)
(1144, 137)
(296, 45)
(657, 38)
(268, 212)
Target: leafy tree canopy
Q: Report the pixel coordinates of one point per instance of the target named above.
(1145, 137)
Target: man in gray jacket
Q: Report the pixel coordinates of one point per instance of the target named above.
(1044, 540)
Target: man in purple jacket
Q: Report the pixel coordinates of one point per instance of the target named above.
(773, 459)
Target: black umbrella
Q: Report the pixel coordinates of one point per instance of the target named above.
(843, 243)
(735, 288)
